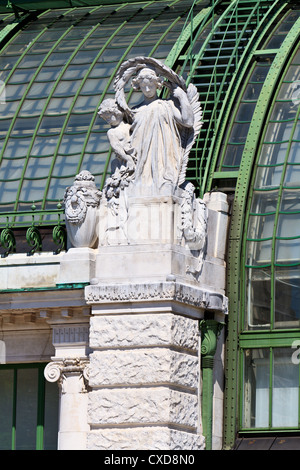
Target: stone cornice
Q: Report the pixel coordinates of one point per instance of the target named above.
(160, 291)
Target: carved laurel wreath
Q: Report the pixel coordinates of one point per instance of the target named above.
(133, 66)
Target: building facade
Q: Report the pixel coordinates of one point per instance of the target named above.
(136, 342)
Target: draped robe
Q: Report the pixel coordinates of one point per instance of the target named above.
(156, 139)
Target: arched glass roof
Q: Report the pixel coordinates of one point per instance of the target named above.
(57, 69)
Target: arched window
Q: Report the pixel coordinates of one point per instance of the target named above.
(271, 293)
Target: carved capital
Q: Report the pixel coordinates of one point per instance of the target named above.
(59, 371)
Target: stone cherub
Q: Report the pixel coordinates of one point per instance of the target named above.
(119, 139)
(119, 133)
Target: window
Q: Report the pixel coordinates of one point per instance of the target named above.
(270, 389)
(272, 252)
(270, 386)
(28, 408)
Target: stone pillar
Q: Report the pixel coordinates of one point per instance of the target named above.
(145, 366)
(69, 367)
(71, 376)
(154, 281)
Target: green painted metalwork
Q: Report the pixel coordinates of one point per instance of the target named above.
(228, 113)
(29, 85)
(189, 35)
(210, 330)
(131, 9)
(8, 240)
(236, 14)
(49, 98)
(25, 5)
(33, 235)
(237, 227)
(46, 104)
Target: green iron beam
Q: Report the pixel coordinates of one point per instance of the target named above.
(237, 227)
(228, 103)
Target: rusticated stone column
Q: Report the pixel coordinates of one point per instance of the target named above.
(145, 366)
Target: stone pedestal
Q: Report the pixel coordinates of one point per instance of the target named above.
(155, 278)
(77, 266)
(144, 369)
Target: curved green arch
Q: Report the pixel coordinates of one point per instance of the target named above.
(237, 225)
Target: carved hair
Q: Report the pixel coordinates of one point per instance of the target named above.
(109, 106)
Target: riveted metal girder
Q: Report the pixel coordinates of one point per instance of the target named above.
(237, 225)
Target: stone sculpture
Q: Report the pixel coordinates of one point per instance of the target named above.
(152, 142)
(154, 138)
(81, 203)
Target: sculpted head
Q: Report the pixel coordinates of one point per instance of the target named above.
(147, 81)
(110, 112)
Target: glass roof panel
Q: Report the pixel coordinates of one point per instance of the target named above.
(230, 158)
(58, 69)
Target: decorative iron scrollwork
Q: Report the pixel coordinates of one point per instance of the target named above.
(34, 239)
(59, 235)
(8, 241)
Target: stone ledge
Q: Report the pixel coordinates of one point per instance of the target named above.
(160, 291)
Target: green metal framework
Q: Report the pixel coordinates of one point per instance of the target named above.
(226, 48)
(58, 70)
(230, 35)
(235, 267)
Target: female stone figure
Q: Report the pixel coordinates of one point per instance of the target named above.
(156, 132)
(162, 131)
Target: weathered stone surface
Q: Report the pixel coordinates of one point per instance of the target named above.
(149, 405)
(144, 438)
(110, 331)
(143, 366)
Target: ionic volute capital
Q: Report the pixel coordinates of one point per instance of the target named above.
(59, 371)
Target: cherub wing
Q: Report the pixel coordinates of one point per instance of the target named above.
(190, 134)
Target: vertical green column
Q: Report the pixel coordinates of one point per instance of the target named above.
(210, 330)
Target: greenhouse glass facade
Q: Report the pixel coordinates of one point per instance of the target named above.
(58, 62)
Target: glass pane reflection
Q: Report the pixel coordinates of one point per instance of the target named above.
(285, 393)
(287, 297)
(256, 388)
(258, 294)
